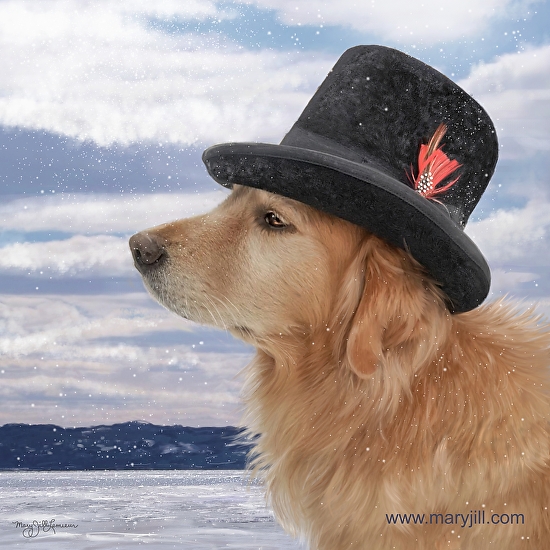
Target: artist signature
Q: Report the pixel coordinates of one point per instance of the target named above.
(34, 528)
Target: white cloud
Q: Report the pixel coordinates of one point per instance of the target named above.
(96, 71)
(403, 21)
(103, 213)
(517, 236)
(95, 254)
(516, 243)
(169, 9)
(52, 320)
(509, 282)
(515, 90)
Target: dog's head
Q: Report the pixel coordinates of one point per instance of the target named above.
(270, 269)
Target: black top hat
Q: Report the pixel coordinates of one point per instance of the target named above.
(359, 151)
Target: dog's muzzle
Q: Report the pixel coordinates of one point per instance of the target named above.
(148, 251)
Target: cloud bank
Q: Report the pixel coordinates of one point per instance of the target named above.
(515, 90)
(99, 71)
(76, 360)
(92, 250)
(515, 235)
(402, 21)
(103, 213)
(516, 243)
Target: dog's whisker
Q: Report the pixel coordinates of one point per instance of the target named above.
(221, 320)
(227, 305)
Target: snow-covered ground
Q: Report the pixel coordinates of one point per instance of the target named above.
(111, 510)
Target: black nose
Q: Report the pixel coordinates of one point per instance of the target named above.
(147, 249)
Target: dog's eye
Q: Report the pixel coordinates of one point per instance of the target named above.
(273, 220)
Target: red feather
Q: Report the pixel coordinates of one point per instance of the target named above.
(433, 167)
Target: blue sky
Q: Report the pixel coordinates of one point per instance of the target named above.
(105, 108)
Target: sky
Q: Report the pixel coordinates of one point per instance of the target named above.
(105, 109)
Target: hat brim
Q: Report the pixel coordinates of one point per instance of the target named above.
(365, 196)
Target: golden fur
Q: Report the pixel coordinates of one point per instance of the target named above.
(367, 396)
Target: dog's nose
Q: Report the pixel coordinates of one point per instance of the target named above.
(147, 250)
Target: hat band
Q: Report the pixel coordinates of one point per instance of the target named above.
(303, 139)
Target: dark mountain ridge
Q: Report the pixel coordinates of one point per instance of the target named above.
(128, 446)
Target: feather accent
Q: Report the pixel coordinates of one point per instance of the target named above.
(433, 167)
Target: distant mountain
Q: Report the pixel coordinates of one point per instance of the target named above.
(132, 445)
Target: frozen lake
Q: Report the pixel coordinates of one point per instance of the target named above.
(111, 510)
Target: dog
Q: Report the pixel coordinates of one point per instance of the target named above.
(380, 419)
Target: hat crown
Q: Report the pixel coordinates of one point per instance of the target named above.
(378, 105)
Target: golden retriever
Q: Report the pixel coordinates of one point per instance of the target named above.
(382, 420)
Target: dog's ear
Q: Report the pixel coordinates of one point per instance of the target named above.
(364, 347)
(390, 309)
